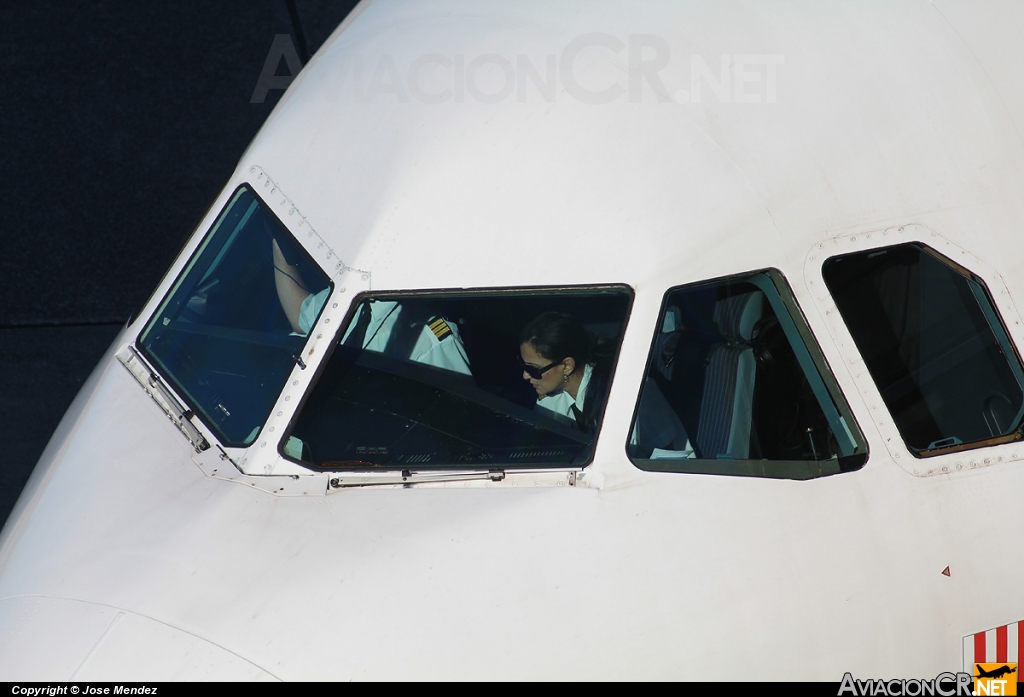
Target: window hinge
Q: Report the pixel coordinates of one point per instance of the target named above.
(154, 385)
(409, 477)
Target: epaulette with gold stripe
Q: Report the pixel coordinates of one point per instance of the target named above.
(440, 328)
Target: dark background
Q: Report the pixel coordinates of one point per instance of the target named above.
(119, 124)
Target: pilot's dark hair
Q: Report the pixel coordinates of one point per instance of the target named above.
(557, 335)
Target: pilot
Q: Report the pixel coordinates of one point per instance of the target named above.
(566, 366)
(552, 349)
(402, 331)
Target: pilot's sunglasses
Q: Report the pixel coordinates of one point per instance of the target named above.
(535, 372)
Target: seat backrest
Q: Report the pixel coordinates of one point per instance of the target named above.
(726, 411)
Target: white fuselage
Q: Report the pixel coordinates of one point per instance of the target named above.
(884, 122)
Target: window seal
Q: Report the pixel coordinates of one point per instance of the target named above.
(441, 293)
(989, 309)
(170, 382)
(792, 320)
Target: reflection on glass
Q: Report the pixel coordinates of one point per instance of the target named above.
(222, 337)
(933, 343)
(434, 381)
(734, 386)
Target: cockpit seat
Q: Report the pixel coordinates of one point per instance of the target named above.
(726, 411)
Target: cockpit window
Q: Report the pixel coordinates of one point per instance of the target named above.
(736, 385)
(226, 336)
(470, 379)
(934, 344)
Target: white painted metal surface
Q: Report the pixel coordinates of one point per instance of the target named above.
(895, 120)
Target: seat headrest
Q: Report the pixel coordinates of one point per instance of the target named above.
(736, 316)
(673, 320)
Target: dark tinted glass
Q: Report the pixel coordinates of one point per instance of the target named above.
(933, 343)
(735, 386)
(221, 337)
(435, 381)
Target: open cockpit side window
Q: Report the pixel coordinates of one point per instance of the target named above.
(736, 385)
(934, 344)
(480, 379)
(227, 334)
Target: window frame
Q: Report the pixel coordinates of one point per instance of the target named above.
(992, 316)
(168, 376)
(441, 293)
(783, 302)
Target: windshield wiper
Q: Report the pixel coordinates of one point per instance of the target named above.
(355, 479)
(154, 386)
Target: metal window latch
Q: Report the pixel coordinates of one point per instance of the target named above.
(298, 360)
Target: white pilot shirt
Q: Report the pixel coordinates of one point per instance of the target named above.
(655, 414)
(561, 402)
(310, 309)
(447, 353)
